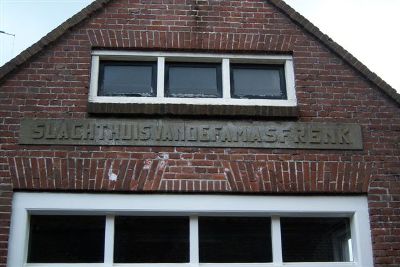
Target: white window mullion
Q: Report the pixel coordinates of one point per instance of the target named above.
(276, 241)
(361, 243)
(194, 240)
(226, 79)
(160, 76)
(290, 81)
(18, 242)
(94, 78)
(109, 241)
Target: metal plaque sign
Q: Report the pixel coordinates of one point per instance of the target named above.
(193, 133)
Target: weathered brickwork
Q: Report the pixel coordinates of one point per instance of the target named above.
(55, 82)
(192, 170)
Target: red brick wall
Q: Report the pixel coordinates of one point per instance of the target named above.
(54, 84)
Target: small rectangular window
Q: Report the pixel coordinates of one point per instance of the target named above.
(151, 239)
(316, 239)
(196, 80)
(66, 239)
(258, 81)
(172, 83)
(127, 79)
(235, 239)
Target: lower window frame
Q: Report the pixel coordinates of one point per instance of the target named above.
(110, 205)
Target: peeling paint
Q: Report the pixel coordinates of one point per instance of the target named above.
(112, 176)
(147, 164)
(163, 156)
(162, 164)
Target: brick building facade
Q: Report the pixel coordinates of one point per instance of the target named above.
(52, 80)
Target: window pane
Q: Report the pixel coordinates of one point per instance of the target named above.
(66, 239)
(193, 80)
(234, 239)
(258, 81)
(315, 239)
(151, 239)
(127, 79)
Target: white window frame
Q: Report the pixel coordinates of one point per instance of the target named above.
(224, 59)
(354, 207)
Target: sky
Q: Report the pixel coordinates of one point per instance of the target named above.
(368, 29)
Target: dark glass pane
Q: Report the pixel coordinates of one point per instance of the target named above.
(315, 239)
(123, 79)
(193, 80)
(66, 239)
(234, 239)
(151, 239)
(253, 81)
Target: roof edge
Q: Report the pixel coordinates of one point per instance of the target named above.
(336, 48)
(52, 36)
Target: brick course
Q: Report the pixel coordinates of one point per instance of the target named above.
(54, 84)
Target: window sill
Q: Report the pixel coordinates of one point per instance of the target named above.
(192, 109)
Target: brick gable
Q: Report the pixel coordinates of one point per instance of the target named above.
(54, 84)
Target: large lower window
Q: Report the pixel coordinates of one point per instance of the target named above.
(67, 239)
(235, 239)
(144, 239)
(51, 229)
(316, 240)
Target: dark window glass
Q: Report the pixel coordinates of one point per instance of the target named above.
(234, 239)
(151, 239)
(127, 79)
(66, 239)
(193, 80)
(258, 81)
(315, 239)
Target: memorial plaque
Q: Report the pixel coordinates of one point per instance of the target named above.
(193, 133)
